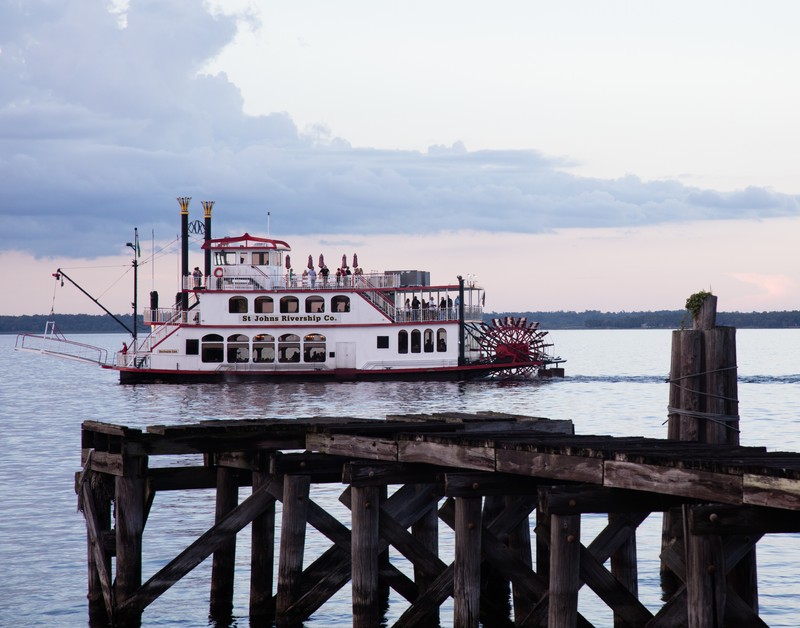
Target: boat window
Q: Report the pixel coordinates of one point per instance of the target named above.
(340, 303)
(428, 340)
(212, 348)
(441, 340)
(192, 346)
(290, 305)
(383, 342)
(289, 348)
(315, 304)
(261, 258)
(224, 258)
(263, 348)
(402, 341)
(264, 305)
(238, 348)
(314, 348)
(237, 305)
(416, 341)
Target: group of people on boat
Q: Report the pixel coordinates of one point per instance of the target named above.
(446, 308)
(344, 277)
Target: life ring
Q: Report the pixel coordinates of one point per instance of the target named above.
(218, 272)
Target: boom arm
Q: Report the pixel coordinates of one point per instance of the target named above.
(60, 273)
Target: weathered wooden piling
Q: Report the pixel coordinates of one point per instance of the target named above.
(262, 555)
(224, 559)
(704, 408)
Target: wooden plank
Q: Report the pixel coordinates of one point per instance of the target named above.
(473, 484)
(467, 574)
(705, 582)
(463, 456)
(565, 546)
(696, 484)
(95, 538)
(183, 478)
(419, 549)
(425, 535)
(104, 462)
(352, 446)
(200, 549)
(519, 544)
(546, 465)
(320, 467)
(619, 595)
(224, 559)
(292, 543)
(262, 558)
(364, 556)
(573, 500)
(428, 603)
(369, 473)
(624, 568)
(130, 517)
(727, 520)
(774, 492)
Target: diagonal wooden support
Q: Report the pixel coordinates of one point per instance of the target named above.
(94, 532)
(214, 538)
(736, 610)
(332, 570)
(608, 541)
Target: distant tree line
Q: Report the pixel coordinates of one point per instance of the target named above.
(590, 319)
(662, 319)
(68, 323)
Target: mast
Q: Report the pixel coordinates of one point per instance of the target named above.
(135, 246)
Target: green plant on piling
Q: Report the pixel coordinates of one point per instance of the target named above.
(695, 302)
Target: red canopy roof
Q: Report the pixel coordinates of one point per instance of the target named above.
(246, 240)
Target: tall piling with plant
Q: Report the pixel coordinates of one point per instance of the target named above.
(703, 408)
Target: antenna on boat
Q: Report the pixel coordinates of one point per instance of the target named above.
(268, 213)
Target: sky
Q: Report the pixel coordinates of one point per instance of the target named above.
(603, 155)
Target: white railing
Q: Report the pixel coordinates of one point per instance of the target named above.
(406, 315)
(254, 279)
(55, 344)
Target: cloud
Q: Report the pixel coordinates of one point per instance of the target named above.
(106, 117)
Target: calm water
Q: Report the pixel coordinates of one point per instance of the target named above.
(615, 385)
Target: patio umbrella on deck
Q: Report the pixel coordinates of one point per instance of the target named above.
(321, 261)
(344, 260)
(355, 259)
(310, 262)
(288, 263)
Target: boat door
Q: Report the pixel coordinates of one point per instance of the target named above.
(345, 355)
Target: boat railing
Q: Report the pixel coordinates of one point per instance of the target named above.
(256, 279)
(160, 315)
(430, 314)
(54, 343)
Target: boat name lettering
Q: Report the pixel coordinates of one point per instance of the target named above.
(288, 318)
(168, 351)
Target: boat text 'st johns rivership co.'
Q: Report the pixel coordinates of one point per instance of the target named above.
(249, 315)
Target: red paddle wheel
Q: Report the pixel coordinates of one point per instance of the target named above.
(513, 341)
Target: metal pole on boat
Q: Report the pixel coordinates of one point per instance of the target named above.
(461, 331)
(207, 207)
(135, 246)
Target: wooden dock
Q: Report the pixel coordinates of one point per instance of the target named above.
(513, 489)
